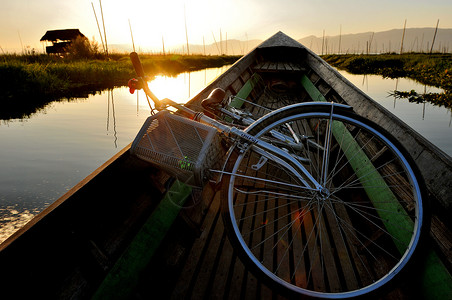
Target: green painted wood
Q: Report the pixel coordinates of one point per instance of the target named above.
(123, 277)
(437, 281)
(245, 91)
(383, 199)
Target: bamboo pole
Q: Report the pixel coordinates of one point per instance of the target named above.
(246, 34)
(186, 33)
(216, 43)
(226, 43)
(21, 44)
(422, 43)
(98, 27)
(103, 24)
(131, 34)
(434, 36)
(241, 47)
(403, 37)
(204, 45)
(370, 42)
(221, 43)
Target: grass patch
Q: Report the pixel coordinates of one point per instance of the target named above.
(49, 75)
(429, 69)
(32, 80)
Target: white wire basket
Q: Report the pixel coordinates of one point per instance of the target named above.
(182, 147)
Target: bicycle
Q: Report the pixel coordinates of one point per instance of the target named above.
(314, 197)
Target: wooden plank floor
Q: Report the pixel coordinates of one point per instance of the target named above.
(201, 265)
(197, 261)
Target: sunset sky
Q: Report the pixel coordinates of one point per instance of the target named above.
(24, 22)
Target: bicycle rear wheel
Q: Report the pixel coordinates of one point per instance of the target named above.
(349, 239)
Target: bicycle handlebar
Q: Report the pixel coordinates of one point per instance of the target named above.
(143, 84)
(137, 64)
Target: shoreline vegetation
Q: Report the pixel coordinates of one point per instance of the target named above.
(30, 81)
(428, 69)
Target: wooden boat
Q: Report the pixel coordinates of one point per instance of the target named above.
(118, 234)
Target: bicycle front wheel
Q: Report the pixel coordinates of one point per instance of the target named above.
(348, 239)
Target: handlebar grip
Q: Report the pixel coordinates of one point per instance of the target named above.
(137, 64)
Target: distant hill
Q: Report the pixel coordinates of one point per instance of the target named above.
(231, 47)
(416, 39)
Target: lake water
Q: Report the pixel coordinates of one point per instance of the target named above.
(45, 155)
(431, 121)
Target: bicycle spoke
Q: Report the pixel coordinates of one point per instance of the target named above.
(330, 240)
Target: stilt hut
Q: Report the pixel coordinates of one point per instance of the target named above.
(60, 39)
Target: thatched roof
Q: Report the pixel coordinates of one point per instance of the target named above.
(62, 35)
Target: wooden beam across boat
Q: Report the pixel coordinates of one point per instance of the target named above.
(124, 276)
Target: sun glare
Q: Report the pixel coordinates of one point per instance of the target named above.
(164, 23)
(185, 85)
(172, 88)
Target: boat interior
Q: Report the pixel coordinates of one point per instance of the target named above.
(76, 244)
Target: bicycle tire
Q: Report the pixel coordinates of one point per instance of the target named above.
(352, 238)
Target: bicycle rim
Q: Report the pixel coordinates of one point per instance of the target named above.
(351, 238)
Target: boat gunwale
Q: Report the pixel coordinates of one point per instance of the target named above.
(64, 198)
(341, 85)
(432, 162)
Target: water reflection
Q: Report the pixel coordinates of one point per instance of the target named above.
(115, 133)
(438, 99)
(430, 120)
(45, 155)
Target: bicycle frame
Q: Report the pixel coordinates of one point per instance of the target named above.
(243, 138)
